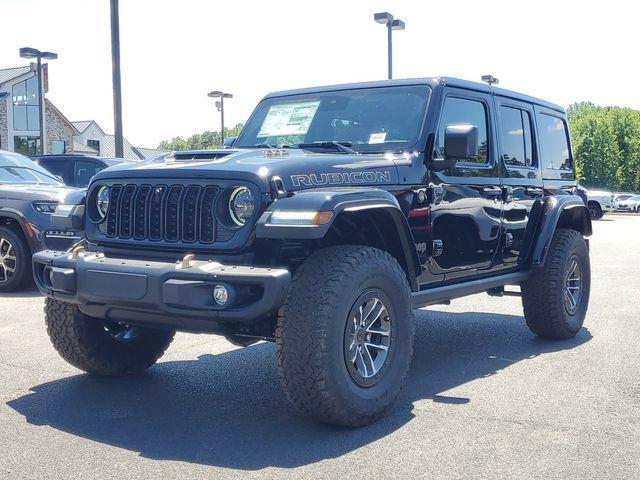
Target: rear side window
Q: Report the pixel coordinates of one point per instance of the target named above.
(462, 111)
(515, 137)
(554, 144)
(57, 167)
(84, 171)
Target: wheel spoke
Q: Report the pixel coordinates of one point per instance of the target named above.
(377, 346)
(369, 360)
(372, 331)
(374, 313)
(570, 299)
(360, 365)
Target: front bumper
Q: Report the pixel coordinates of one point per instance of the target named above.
(158, 292)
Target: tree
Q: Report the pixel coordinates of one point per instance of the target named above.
(199, 141)
(606, 145)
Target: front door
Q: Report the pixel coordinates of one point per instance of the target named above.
(466, 220)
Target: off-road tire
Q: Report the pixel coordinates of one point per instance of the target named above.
(84, 343)
(21, 276)
(311, 330)
(543, 292)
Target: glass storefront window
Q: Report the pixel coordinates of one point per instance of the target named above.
(26, 145)
(26, 112)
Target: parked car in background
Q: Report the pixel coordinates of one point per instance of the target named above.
(75, 170)
(630, 204)
(620, 198)
(599, 203)
(29, 195)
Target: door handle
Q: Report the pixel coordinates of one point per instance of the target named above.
(534, 191)
(492, 192)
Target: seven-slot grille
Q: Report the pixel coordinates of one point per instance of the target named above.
(170, 213)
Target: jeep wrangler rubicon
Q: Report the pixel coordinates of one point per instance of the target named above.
(335, 213)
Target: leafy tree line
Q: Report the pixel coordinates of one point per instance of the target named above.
(606, 146)
(199, 141)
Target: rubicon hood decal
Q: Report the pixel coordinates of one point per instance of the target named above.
(337, 178)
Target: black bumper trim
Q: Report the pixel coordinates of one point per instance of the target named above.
(144, 291)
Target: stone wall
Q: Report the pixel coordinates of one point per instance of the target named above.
(58, 128)
(4, 128)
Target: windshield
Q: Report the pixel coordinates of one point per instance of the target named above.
(366, 119)
(15, 168)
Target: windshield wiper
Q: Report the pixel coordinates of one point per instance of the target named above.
(341, 146)
(269, 146)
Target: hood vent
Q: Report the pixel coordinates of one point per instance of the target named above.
(213, 156)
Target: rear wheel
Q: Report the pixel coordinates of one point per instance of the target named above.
(15, 261)
(344, 339)
(102, 347)
(555, 298)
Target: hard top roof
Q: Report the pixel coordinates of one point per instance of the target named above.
(431, 81)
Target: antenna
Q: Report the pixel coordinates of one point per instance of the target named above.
(489, 79)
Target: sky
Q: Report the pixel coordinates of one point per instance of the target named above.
(174, 52)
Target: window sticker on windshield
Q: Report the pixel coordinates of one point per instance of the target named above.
(378, 137)
(288, 119)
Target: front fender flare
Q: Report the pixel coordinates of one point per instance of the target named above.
(345, 201)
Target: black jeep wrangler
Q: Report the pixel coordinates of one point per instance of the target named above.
(336, 212)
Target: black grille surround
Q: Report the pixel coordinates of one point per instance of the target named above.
(173, 214)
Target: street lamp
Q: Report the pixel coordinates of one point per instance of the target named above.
(115, 79)
(220, 106)
(28, 52)
(385, 18)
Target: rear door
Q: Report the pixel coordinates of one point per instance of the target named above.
(521, 176)
(466, 220)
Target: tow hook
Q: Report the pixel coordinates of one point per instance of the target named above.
(186, 261)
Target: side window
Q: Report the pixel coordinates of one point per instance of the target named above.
(462, 111)
(84, 172)
(515, 137)
(58, 168)
(554, 146)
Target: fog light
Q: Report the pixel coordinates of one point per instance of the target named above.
(220, 294)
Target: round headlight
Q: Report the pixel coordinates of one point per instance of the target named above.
(241, 205)
(102, 201)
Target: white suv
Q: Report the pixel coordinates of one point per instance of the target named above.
(599, 202)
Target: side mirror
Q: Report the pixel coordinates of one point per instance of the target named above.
(228, 142)
(461, 142)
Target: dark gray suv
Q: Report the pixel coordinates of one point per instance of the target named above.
(28, 196)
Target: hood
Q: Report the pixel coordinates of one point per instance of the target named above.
(58, 193)
(298, 169)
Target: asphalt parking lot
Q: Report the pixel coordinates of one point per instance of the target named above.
(485, 399)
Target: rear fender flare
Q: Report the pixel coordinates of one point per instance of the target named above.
(557, 211)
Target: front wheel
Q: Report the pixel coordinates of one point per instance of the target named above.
(102, 347)
(344, 339)
(15, 260)
(555, 298)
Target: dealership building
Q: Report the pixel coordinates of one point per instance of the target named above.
(20, 119)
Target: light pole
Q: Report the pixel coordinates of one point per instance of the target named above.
(28, 52)
(117, 89)
(385, 18)
(220, 107)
